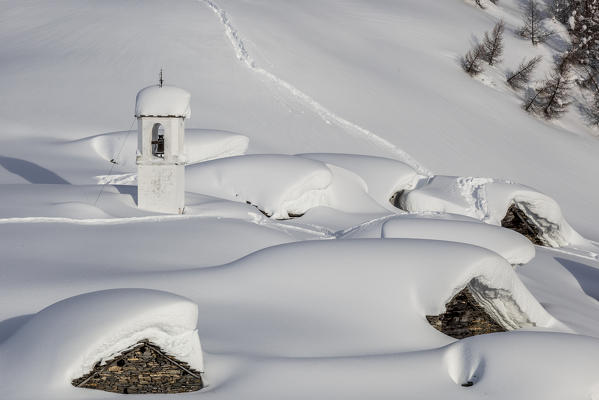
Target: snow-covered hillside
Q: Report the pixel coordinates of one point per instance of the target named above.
(345, 180)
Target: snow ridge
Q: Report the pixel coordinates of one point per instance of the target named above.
(327, 115)
(316, 231)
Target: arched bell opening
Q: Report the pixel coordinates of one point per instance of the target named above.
(158, 140)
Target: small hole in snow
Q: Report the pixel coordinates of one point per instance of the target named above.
(396, 199)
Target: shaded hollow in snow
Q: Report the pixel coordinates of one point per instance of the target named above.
(395, 199)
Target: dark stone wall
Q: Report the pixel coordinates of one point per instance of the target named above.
(143, 369)
(396, 199)
(464, 317)
(516, 220)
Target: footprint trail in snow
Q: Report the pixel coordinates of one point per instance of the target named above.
(327, 115)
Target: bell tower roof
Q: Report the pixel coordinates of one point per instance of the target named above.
(163, 101)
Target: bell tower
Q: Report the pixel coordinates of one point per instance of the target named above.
(161, 112)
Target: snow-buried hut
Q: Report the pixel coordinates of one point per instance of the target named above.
(466, 315)
(517, 207)
(122, 340)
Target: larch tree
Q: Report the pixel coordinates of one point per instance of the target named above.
(493, 43)
(472, 61)
(593, 110)
(533, 27)
(554, 97)
(592, 83)
(519, 79)
(562, 10)
(531, 103)
(584, 29)
(581, 18)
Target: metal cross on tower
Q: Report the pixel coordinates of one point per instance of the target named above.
(160, 80)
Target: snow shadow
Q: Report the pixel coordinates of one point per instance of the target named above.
(10, 326)
(29, 171)
(586, 275)
(128, 189)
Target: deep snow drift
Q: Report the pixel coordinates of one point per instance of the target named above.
(513, 247)
(345, 180)
(67, 339)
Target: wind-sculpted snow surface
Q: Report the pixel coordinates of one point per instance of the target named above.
(494, 364)
(65, 340)
(382, 176)
(200, 145)
(331, 304)
(515, 248)
(389, 284)
(325, 300)
(277, 184)
(282, 186)
(488, 200)
(519, 365)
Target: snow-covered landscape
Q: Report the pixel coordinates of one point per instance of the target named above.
(329, 206)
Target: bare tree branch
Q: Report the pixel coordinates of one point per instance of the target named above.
(472, 61)
(520, 78)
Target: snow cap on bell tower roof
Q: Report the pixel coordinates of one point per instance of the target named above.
(162, 101)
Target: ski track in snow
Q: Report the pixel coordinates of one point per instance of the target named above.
(328, 116)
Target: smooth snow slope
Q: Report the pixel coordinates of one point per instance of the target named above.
(387, 68)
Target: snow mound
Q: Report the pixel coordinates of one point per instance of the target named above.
(348, 193)
(383, 176)
(512, 246)
(282, 186)
(209, 145)
(279, 185)
(542, 209)
(488, 200)
(489, 361)
(66, 201)
(65, 340)
(162, 101)
(340, 297)
(513, 365)
(200, 145)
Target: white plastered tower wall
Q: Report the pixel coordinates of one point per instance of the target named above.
(161, 114)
